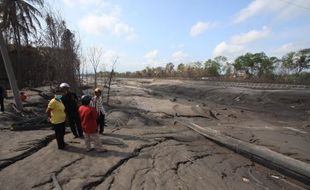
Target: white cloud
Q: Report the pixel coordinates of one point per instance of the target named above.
(251, 36)
(199, 28)
(278, 8)
(108, 59)
(227, 49)
(238, 44)
(286, 48)
(179, 56)
(152, 59)
(151, 54)
(112, 24)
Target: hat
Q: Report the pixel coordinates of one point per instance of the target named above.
(85, 99)
(63, 85)
(97, 90)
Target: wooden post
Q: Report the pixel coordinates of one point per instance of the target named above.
(10, 73)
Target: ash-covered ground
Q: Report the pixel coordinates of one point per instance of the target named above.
(148, 149)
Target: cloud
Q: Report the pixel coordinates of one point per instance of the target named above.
(112, 24)
(278, 8)
(152, 54)
(238, 43)
(251, 36)
(152, 59)
(199, 28)
(108, 58)
(227, 49)
(286, 48)
(179, 56)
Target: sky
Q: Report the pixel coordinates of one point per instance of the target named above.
(155, 32)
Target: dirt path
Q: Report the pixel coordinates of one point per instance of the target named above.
(146, 149)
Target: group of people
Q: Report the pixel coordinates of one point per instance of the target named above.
(86, 116)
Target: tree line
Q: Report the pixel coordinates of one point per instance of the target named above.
(293, 67)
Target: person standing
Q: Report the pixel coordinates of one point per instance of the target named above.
(57, 116)
(88, 117)
(97, 103)
(2, 96)
(70, 100)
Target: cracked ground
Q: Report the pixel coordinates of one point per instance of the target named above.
(147, 149)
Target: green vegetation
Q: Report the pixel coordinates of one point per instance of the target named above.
(291, 68)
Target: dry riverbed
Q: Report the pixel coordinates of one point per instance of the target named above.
(148, 149)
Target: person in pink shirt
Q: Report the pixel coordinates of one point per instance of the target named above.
(88, 116)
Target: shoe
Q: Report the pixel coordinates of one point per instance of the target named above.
(75, 137)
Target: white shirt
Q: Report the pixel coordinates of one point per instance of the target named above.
(97, 102)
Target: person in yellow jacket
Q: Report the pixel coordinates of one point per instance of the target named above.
(57, 116)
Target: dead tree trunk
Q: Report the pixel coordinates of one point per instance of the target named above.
(110, 79)
(10, 73)
(109, 87)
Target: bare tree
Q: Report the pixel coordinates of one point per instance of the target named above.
(82, 68)
(110, 79)
(94, 57)
(61, 50)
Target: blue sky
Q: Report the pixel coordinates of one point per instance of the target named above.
(154, 32)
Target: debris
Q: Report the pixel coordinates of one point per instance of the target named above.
(224, 175)
(237, 99)
(245, 179)
(232, 115)
(212, 114)
(292, 106)
(275, 176)
(173, 100)
(31, 124)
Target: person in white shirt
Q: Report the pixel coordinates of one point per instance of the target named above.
(97, 103)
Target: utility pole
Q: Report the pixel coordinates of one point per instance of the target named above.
(10, 73)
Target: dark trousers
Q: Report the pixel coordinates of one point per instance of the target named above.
(2, 104)
(60, 134)
(75, 125)
(101, 122)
